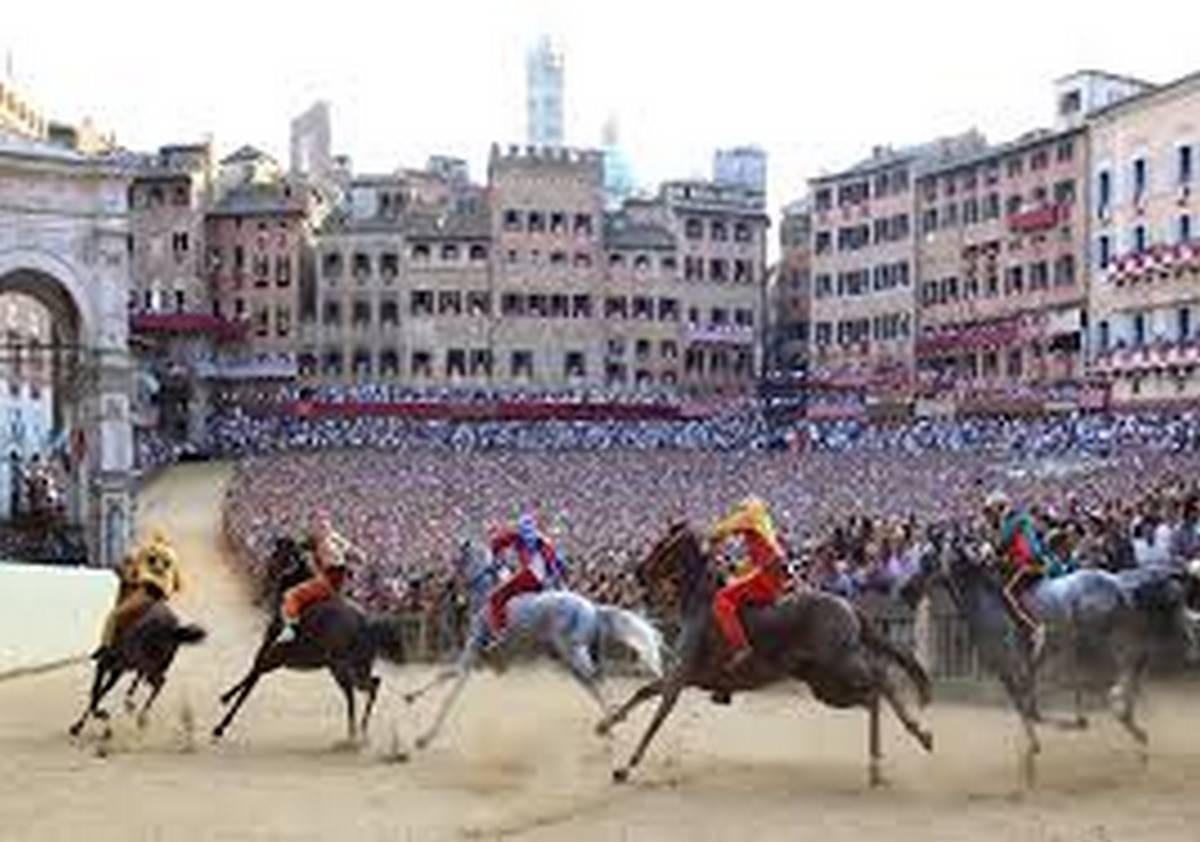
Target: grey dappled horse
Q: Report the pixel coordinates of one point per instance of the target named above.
(558, 623)
(1088, 610)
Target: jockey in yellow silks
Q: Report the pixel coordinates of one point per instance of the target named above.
(149, 574)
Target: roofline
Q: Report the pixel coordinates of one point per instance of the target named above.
(1120, 77)
(1141, 98)
(1000, 150)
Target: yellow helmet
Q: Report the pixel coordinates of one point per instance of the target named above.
(753, 505)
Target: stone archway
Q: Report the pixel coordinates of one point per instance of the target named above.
(63, 231)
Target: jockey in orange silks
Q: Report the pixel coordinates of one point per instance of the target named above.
(329, 574)
(765, 582)
(538, 563)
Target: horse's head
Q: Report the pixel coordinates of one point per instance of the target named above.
(476, 568)
(672, 566)
(945, 554)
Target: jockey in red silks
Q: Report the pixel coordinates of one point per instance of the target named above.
(538, 563)
(762, 585)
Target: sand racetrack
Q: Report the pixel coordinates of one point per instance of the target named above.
(520, 761)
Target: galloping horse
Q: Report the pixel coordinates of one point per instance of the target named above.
(813, 637)
(558, 623)
(334, 635)
(146, 648)
(1088, 609)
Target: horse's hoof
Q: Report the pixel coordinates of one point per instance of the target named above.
(926, 738)
(75, 729)
(217, 734)
(409, 698)
(422, 742)
(101, 714)
(620, 776)
(603, 728)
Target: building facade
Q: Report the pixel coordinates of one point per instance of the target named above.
(1002, 290)
(544, 76)
(790, 291)
(530, 283)
(863, 309)
(1145, 244)
(741, 166)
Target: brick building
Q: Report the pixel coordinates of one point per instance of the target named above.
(1002, 243)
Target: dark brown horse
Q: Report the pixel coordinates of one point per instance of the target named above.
(146, 649)
(812, 637)
(335, 635)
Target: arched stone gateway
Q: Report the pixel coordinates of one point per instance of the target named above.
(63, 242)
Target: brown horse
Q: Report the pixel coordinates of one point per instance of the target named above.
(811, 636)
(146, 648)
(335, 635)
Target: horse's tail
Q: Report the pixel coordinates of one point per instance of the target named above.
(635, 632)
(188, 634)
(877, 642)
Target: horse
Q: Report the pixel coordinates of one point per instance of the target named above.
(147, 648)
(1088, 609)
(557, 623)
(334, 634)
(814, 637)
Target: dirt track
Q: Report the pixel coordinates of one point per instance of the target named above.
(520, 761)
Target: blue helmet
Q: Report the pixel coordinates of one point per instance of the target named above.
(527, 529)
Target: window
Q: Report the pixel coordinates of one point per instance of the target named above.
(478, 253)
(456, 362)
(421, 303)
(1183, 320)
(389, 313)
(693, 229)
(824, 242)
(389, 363)
(1039, 275)
(583, 224)
(991, 206)
(559, 307)
(558, 223)
(717, 269)
(616, 260)
(1066, 148)
(333, 314)
(582, 260)
(362, 266)
(333, 363)
(743, 317)
(1064, 271)
(929, 220)
(521, 364)
(1014, 281)
(615, 307)
(479, 304)
(283, 271)
(1139, 179)
(1064, 192)
(643, 308)
(512, 220)
(669, 350)
(537, 222)
(670, 264)
(1015, 166)
(512, 304)
(1039, 160)
(389, 266)
(361, 314)
(422, 364)
(481, 362)
(180, 301)
(450, 252)
(1185, 165)
(718, 232)
(581, 307)
(668, 310)
(641, 349)
(574, 364)
(970, 211)
(538, 307)
(1139, 329)
(558, 258)
(1104, 336)
(1013, 205)
(362, 363)
(449, 302)
(420, 253)
(1103, 190)
(1104, 251)
(1139, 239)
(742, 233)
(1183, 228)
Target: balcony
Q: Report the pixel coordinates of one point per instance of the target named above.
(1160, 259)
(1038, 219)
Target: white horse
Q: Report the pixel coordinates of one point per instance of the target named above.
(558, 623)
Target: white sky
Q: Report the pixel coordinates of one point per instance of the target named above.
(816, 84)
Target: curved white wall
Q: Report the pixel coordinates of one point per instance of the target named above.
(49, 615)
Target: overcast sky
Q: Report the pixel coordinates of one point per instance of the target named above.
(815, 84)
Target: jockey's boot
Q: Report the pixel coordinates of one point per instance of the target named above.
(287, 634)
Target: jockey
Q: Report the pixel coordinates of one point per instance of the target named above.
(538, 563)
(329, 551)
(763, 584)
(1023, 560)
(149, 574)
